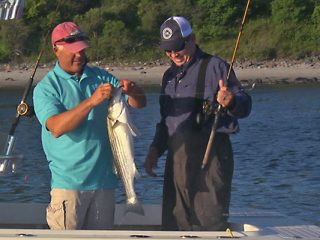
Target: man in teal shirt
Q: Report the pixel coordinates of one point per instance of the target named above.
(71, 104)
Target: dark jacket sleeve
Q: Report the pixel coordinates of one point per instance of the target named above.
(160, 139)
(242, 104)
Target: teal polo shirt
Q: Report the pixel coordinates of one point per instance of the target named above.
(80, 159)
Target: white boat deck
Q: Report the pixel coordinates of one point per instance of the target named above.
(27, 221)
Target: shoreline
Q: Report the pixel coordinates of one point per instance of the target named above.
(248, 73)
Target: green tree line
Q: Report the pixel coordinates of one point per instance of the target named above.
(129, 30)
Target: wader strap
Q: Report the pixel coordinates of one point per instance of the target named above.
(201, 83)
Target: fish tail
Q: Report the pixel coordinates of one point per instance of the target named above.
(135, 207)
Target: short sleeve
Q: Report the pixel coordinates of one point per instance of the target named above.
(46, 103)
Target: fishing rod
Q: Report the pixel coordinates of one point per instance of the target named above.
(23, 109)
(219, 109)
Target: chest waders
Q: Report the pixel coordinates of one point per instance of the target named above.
(169, 222)
(195, 198)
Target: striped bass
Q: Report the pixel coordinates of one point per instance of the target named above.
(121, 131)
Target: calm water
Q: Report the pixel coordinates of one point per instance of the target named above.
(277, 163)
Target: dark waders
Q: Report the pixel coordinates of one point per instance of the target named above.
(195, 198)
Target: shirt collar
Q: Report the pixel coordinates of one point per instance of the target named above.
(65, 75)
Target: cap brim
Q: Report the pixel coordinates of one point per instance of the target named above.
(174, 45)
(76, 46)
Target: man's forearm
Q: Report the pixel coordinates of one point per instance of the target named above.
(67, 121)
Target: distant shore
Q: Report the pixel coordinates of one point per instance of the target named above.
(151, 74)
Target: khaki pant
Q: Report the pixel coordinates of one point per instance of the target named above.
(72, 209)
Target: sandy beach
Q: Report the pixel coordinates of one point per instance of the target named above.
(260, 73)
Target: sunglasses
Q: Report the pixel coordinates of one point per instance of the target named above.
(183, 46)
(73, 37)
(177, 50)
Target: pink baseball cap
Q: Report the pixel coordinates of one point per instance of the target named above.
(70, 36)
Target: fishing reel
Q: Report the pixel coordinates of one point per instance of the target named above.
(209, 110)
(23, 109)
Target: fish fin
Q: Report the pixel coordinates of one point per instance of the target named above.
(136, 173)
(112, 122)
(115, 170)
(135, 207)
(134, 130)
(116, 123)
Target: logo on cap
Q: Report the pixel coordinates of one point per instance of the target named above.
(76, 32)
(167, 33)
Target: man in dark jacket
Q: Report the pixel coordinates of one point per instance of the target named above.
(195, 198)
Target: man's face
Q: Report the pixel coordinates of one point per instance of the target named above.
(184, 55)
(70, 62)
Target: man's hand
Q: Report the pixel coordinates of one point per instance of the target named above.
(151, 161)
(61, 123)
(137, 98)
(224, 96)
(101, 93)
(128, 86)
